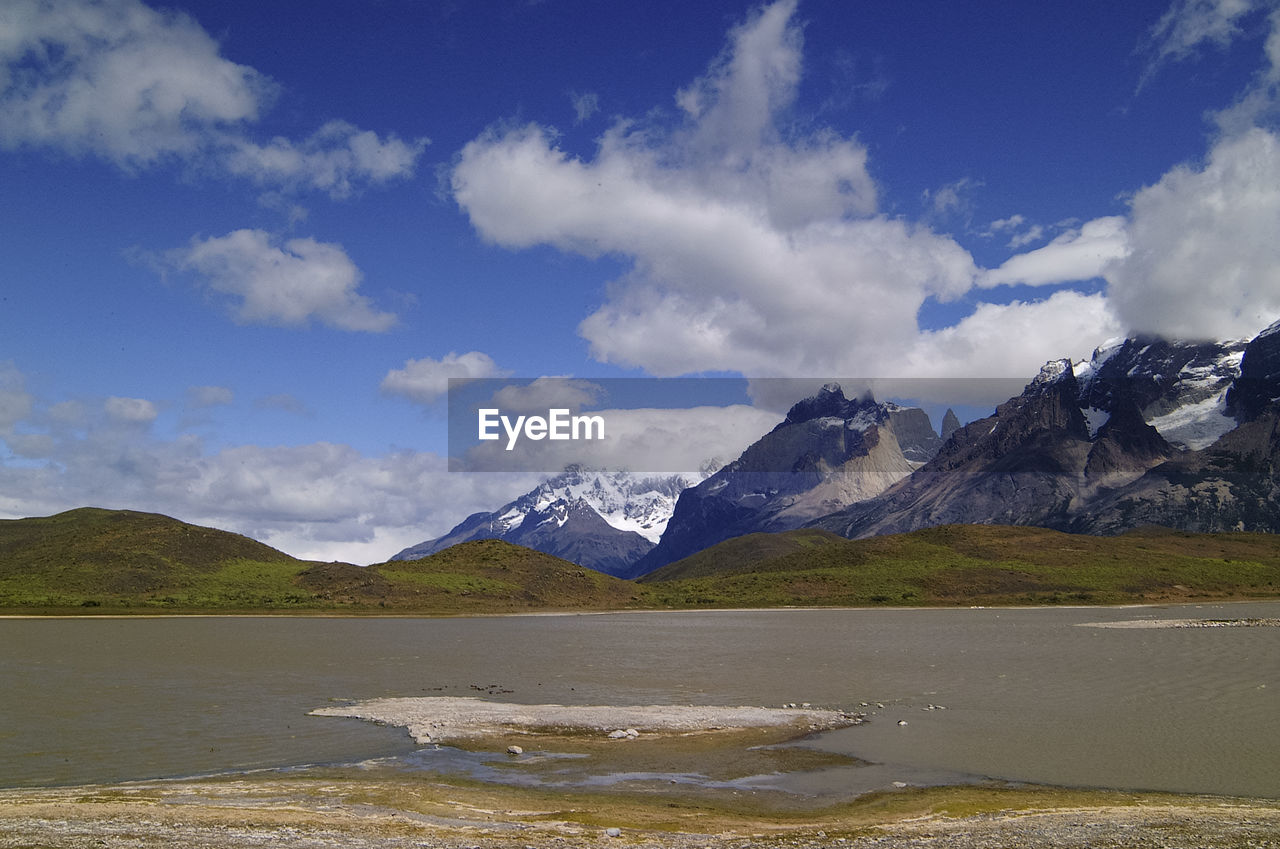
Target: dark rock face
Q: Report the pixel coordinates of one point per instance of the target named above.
(1259, 383)
(1077, 450)
(950, 424)
(1019, 466)
(915, 433)
(830, 451)
(1234, 485)
(1158, 375)
(1125, 443)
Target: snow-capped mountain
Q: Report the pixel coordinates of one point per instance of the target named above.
(1147, 431)
(1180, 388)
(605, 520)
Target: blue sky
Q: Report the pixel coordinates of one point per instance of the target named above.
(242, 246)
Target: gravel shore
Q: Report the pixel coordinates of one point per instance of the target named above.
(369, 806)
(238, 816)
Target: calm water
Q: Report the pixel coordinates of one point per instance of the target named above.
(1030, 695)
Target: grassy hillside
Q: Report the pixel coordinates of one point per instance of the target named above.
(96, 561)
(744, 553)
(493, 575)
(105, 558)
(971, 564)
(108, 561)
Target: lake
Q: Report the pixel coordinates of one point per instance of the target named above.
(1033, 695)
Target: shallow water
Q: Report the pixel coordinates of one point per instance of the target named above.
(1023, 695)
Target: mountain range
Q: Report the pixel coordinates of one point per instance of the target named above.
(605, 520)
(1148, 431)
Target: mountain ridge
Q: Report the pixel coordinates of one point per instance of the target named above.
(828, 450)
(602, 519)
(1142, 433)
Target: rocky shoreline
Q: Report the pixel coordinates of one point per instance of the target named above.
(242, 813)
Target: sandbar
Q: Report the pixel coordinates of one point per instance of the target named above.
(450, 719)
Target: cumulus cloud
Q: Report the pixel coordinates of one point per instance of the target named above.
(117, 79)
(289, 284)
(1204, 258)
(547, 392)
(753, 249)
(1009, 340)
(425, 381)
(135, 86)
(1078, 254)
(334, 159)
(319, 500)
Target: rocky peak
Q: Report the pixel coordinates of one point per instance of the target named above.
(1156, 374)
(950, 423)
(1259, 382)
(831, 403)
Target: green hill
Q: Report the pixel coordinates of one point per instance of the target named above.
(118, 561)
(493, 575)
(744, 553)
(970, 564)
(92, 557)
(95, 561)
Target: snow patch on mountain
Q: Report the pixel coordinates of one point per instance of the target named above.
(1095, 418)
(1180, 387)
(1196, 425)
(629, 502)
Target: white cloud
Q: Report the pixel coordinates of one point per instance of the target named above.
(1012, 225)
(585, 105)
(1260, 101)
(1079, 254)
(333, 159)
(1190, 23)
(130, 410)
(753, 250)
(951, 198)
(426, 380)
(1204, 258)
(135, 86)
(546, 393)
(320, 500)
(117, 79)
(1010, 340)
(289, 284)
